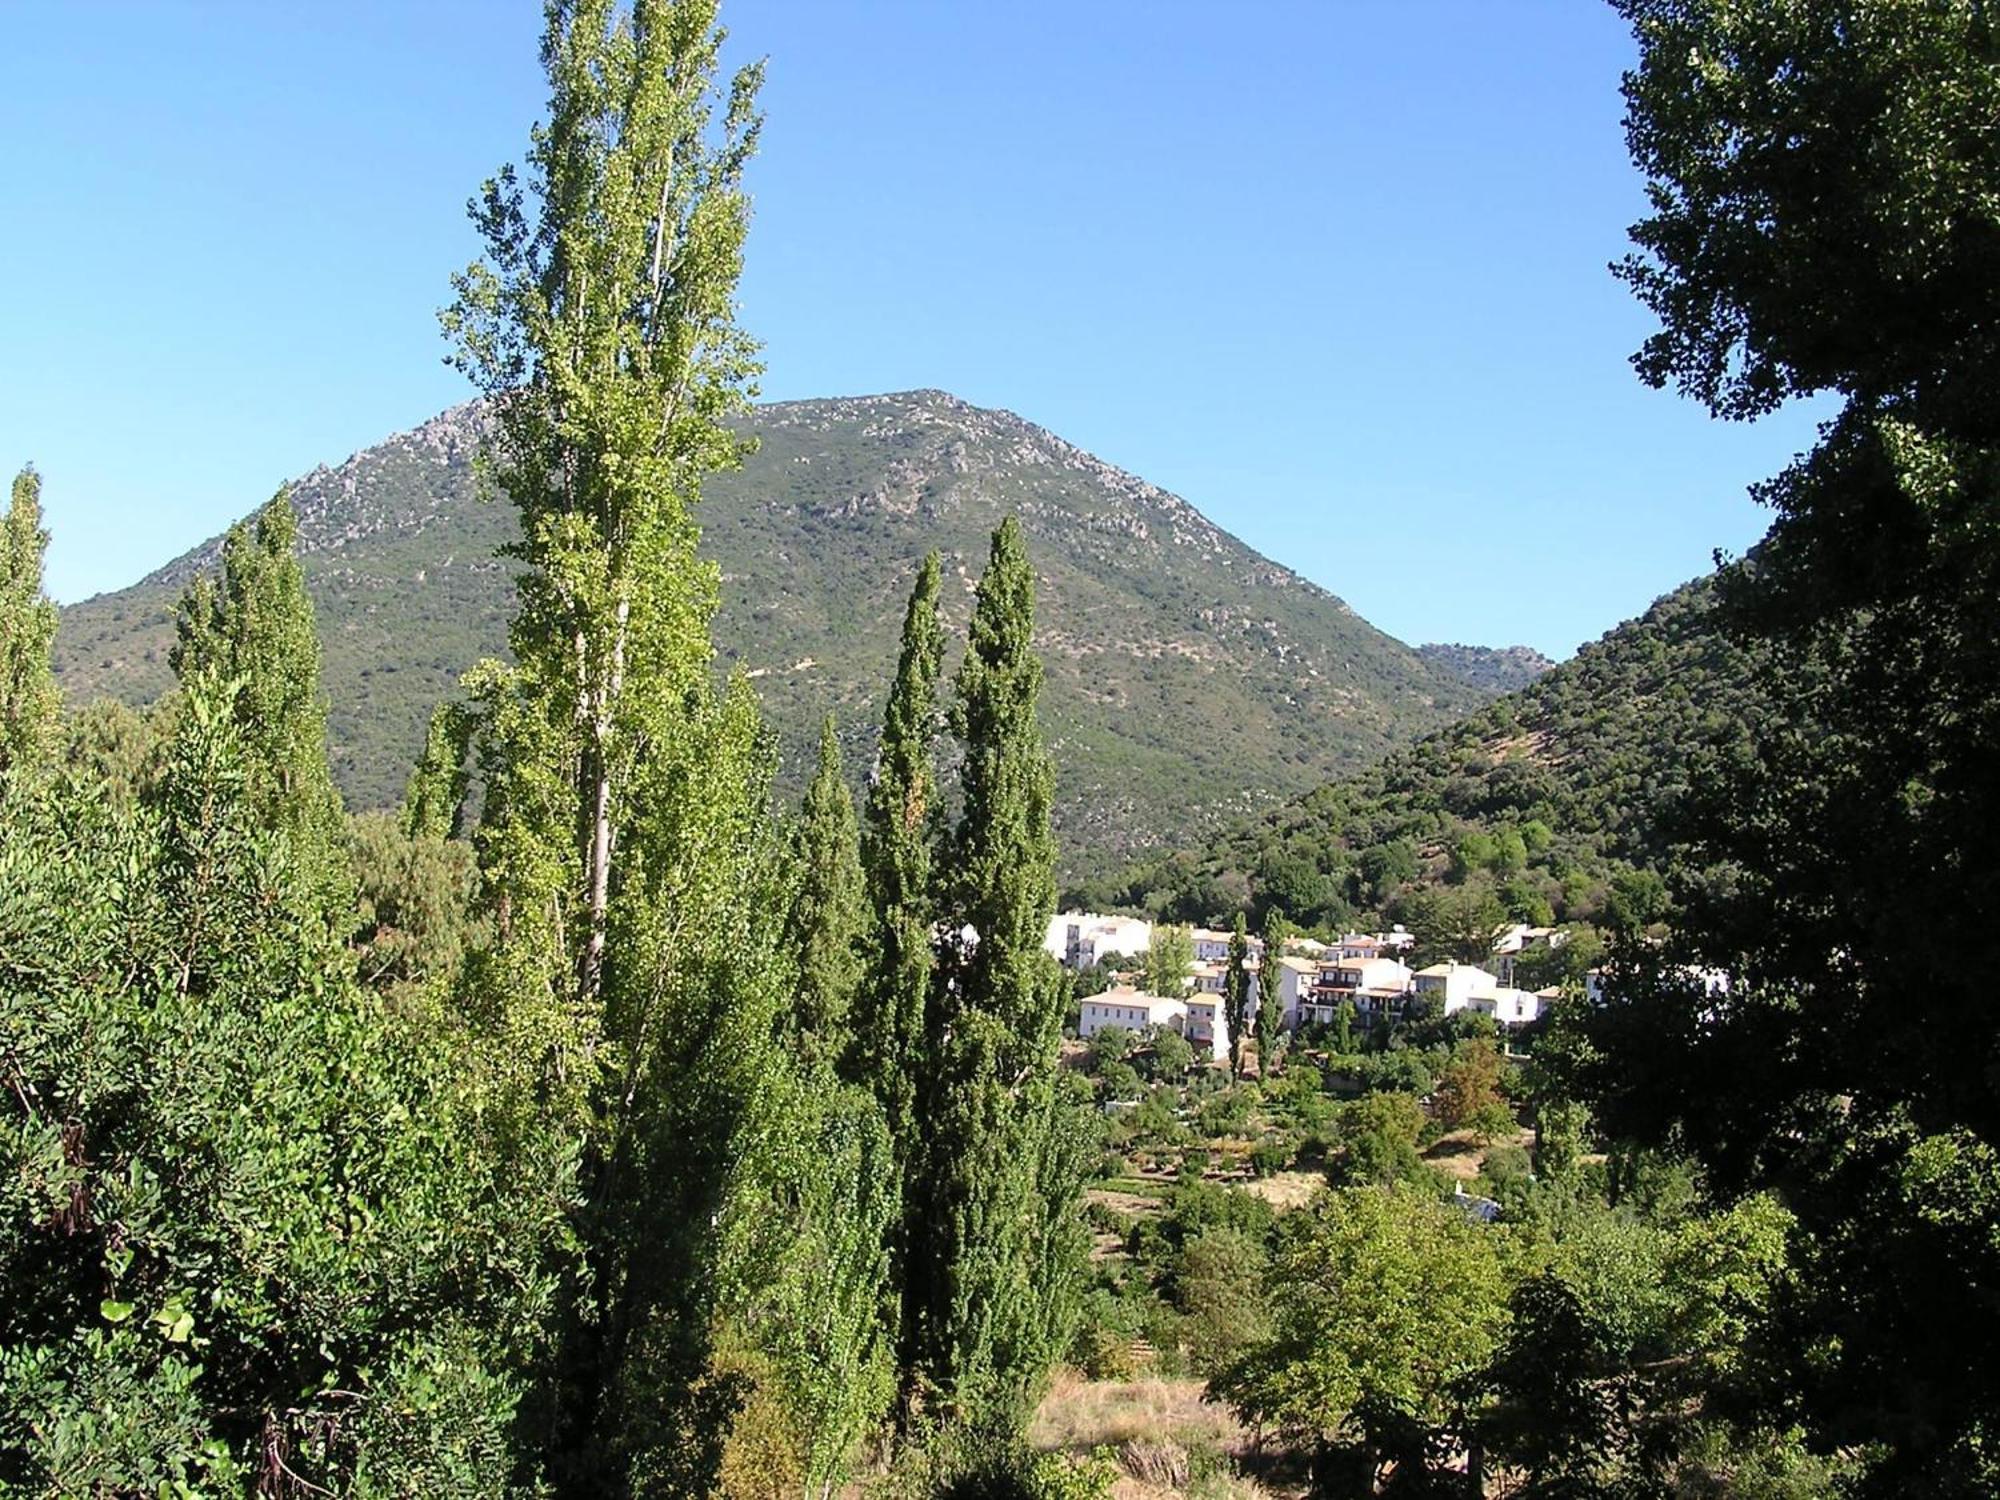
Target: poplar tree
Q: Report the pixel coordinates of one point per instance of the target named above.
(823, 920)
(1270, 1001)
(28, 698)
(1236, 994)
(999, 1169)
(434, 804)
(254, 628)
(629, 859)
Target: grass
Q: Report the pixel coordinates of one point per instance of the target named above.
(1166, 1439)
(1287, 1190)
(1462, 1156)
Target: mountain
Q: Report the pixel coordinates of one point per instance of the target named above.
(1549, 790)
(1491, 669)
(1190, 680)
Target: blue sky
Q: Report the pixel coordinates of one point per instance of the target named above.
(1335, 272)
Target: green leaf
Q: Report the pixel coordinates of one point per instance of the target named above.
(114, 1312)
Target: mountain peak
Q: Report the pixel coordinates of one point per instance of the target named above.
(1190, 680)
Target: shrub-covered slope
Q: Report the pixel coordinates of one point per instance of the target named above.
(1191, 681)
(1545, 793)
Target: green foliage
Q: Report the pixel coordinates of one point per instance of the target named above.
(1383, 1303)
(434, 802)
(28, 698)
(824, 920)
(1172, 1055)
(255, 629)
(1377, 1138)
(1001, 1147)
(638, 964)
(818, 1269)
(1167, 960)
(115, 747)
(903, 818)
(1820, 184)
(1218, 1282)
(415, 895)
(1469, 1089)
(1236, 994)
(249, 1232)
(1578, 766)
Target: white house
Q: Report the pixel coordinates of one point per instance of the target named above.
(1295, 982)
(1509, 1006)
(1126, 1005)
(1510, 942)
(1209, 978)
(1455, 985)
(1373, 985)
(1079, 939)
(1208, 1026)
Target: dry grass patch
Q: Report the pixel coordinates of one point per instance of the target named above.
(1286, 1190)
(1081, 1416)
(1461, 1156)
(1124, 1203)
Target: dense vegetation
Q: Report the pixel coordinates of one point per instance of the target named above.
(1190, 681)
(535, 1146)
(586, 1128)
(1529, 809)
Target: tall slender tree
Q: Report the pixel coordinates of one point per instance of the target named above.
(823, 919)
(627, 849)
(998, 1172)
(887, 1048)
(602, 326)
(254, 627)
(1236, 994)
(896, 854)
(434, 804)
(1270, 996)
(28, 697)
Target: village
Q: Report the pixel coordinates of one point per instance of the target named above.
(1361, 976)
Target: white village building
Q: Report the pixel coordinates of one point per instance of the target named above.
(1082, 939)
(1126, 1005)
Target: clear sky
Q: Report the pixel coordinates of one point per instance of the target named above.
(1333, 271)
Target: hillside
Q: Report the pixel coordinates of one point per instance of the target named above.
(1190, 680)
(1491, 669)
(1547, 791)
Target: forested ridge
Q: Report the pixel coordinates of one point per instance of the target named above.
(1539, 799)
(610, 1120)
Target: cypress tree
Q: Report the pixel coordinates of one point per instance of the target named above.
(824, 918)
(886, 1053)
(1236, 994)
(896, 847)
(255, 629)
(28, 698)
(998, 1170)
(1270, 1002)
